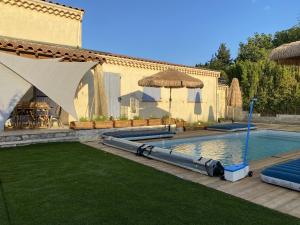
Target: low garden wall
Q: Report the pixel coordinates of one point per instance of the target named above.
(279, 118)
(27, 137)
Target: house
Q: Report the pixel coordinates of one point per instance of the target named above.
(43, 29)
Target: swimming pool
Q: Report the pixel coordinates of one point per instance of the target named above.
(229, 148)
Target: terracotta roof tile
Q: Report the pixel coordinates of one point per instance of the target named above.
(80, 54)
(71, 7)
(48, 50)
(150, 60)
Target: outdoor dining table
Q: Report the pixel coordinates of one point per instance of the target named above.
(31, 115)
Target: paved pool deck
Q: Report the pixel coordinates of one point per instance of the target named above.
(251, 188)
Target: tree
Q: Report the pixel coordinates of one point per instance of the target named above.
(257, 48)
(277, 87)
(221, 60)
(287, 36)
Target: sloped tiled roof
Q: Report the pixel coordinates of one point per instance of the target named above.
(130, 61)
(68, 6)
(49, 7)
(49, 50)
(20, 46)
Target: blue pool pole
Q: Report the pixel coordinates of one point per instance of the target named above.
(248, 130)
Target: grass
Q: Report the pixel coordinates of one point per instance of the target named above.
(69, 183)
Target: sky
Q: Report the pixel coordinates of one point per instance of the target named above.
(179, 31)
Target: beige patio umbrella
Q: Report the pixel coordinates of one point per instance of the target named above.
(288, 54)
(100, 98)
(171, 78)
(234, 98)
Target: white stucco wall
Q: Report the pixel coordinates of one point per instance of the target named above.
(181, 108)
(42, 21)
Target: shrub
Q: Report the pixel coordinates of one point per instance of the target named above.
(123, 117)
(100, 118)
(137, 118)
(165, 117)
(84, 119)
(153, 117)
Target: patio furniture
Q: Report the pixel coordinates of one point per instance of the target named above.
(55, 117)
(31, 115)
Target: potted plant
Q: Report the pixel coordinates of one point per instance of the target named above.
(122, 122)
(166, 120)
(102, 122)
(221, 120)
(152, 121)
(199, 125)
(180, 123)
(83, 124)
(138, 121)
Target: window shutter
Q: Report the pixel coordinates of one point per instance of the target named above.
(194, 95)
(151, 94)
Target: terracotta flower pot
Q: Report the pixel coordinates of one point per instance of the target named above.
(180, 124)
(122, 123)
(154, 122)
(104, 124)
(166, 121)
(82, 125)
(139, 123)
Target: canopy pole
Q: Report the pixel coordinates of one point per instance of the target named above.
(170, 103)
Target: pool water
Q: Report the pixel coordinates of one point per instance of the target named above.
(229, 148)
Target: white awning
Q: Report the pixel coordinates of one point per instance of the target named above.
(58, 80)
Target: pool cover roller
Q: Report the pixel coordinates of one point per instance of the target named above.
(202, 165)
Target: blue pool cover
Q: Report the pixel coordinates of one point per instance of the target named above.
(231, 127)
(140, 134)
(285, 174)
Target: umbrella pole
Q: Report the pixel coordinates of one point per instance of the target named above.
(170, 103)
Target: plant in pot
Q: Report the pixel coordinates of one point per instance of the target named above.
(180, 123)
(137, 121)
(102, 122)
(154, 121)
(199, 125)
(84, 123)
(166, 120)
(122, 122)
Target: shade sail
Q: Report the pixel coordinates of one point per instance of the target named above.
(288, 54)
(58, 80)
(171, 78)
(12, 89)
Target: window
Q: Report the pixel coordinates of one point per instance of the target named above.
(194, 95)
(151, 94)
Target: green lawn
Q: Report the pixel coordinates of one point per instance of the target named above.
(69, 183)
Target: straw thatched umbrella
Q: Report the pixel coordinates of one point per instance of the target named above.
(288, 54)
(234, 98)
(171, 78)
